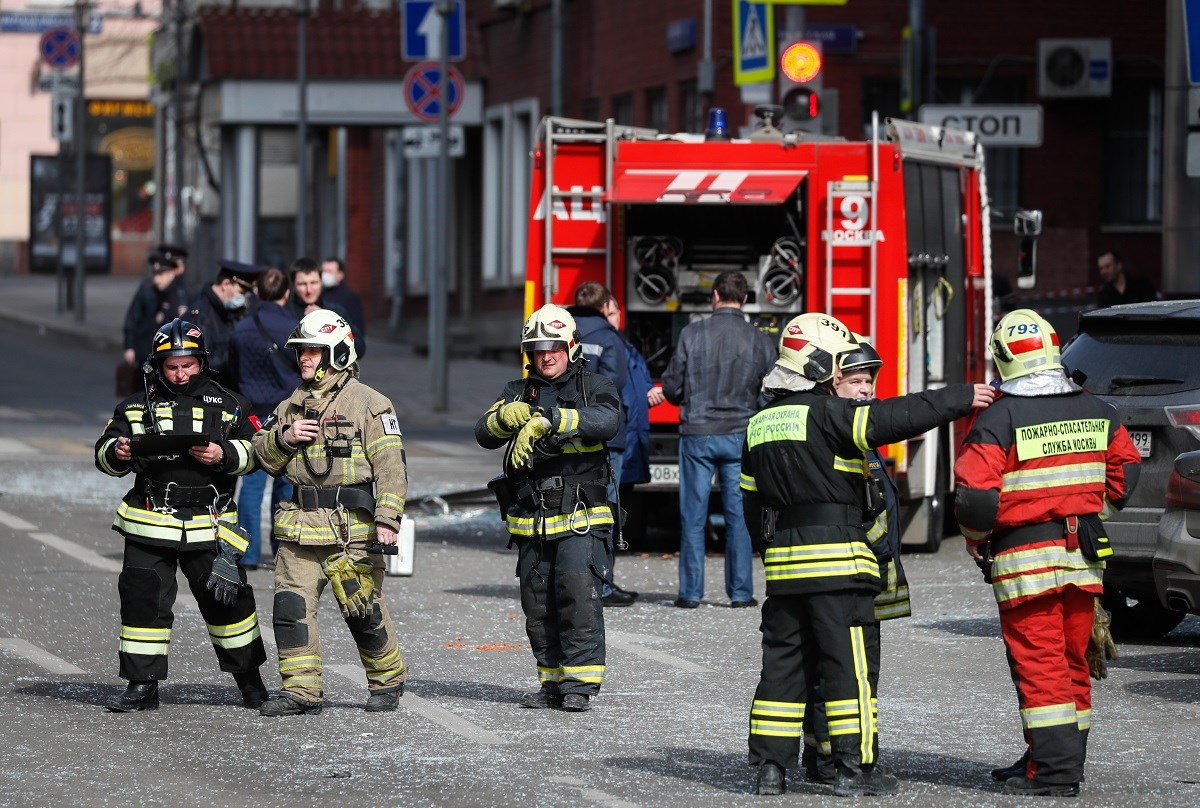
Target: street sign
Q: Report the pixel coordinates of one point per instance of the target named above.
(835, 37)
(423, 31)
(61, 118)
(426, 141)
(39, 22)
(1191, 33)
(753, 43)
(994, 124)
(422, 91)
(60, 48)
(59, 83)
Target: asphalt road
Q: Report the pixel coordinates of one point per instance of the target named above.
(669, 727)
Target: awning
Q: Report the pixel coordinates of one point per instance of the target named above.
(685, 185)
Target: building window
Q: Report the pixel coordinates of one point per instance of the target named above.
(1132, 155)
(508, 135)
(689, 107)
(656, 108)
(623, 109)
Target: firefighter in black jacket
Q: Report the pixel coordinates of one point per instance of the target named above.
(555, 504)
(180, 514)
(803, 476)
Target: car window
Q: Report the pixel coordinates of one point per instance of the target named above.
(1135, 364)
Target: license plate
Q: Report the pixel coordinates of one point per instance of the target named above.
(664, 473)
(1142, 439)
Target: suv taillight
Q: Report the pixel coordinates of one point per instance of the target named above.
(1185, 416)
(1182, 492)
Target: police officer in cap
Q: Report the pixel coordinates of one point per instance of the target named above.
(158, 300)
(180, 515)
(217, 310)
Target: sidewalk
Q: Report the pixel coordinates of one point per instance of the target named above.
(441, 443)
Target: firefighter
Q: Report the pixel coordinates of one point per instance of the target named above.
(339, 443)
(857, 373)
(553, 498)
(803, 473)
(1034, 476)
(180, 514)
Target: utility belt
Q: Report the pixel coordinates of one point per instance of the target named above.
(168, 497)
(557, 493)
(818, 514)
(1083, 533)
(356, 497)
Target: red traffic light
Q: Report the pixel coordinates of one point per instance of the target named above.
(801, 62)
(802, 104)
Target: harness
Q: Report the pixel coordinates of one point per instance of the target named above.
(357, 497)
(170, 497)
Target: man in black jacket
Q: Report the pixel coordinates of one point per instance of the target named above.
(217, 310)
(555, 504)
(158, 300)
(803, 469)
(714, 376)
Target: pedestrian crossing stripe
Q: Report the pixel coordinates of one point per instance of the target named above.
(753, 42)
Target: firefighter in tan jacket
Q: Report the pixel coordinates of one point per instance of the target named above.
(339, 442)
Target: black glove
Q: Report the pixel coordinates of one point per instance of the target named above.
(225, 581)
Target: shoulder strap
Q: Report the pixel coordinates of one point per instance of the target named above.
(283, 357)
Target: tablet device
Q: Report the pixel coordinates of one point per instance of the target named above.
(175, 443)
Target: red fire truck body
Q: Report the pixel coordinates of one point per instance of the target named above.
(889, 235)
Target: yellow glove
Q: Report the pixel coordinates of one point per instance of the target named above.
(536, 428)
(1100, 645)
(515, 414)
(346, 578)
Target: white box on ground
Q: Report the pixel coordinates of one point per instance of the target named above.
(402, 562)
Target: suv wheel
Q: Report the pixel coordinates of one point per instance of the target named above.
(1141, 619)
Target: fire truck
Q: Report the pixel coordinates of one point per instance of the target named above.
(890, 235)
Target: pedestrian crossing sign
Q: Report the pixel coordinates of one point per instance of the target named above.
(753, 43)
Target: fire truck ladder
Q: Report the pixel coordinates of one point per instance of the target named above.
(865, 190)
(559, 131)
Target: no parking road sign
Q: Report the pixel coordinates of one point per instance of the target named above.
(60, 48)
(422, 91)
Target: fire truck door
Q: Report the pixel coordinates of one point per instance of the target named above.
(936, 261)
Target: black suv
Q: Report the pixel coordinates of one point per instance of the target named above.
(1141, 358)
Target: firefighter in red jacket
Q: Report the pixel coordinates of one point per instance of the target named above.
(1037, 472)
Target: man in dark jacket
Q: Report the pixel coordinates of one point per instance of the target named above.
(803, 469)
(158, 300)
(308, 295)
(217, 310)
(714, 376)
(266, 374)
(337, 294)
(604, 353)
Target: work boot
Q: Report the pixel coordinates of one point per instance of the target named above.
(866, 782)
(576, 703)
(619, 597)
(771, 781)
(384, 702)
(541, 700)
(1036, 788)
(254, 692)
(1018, 769)
(283, 704)
(141, 694)
(818, 768)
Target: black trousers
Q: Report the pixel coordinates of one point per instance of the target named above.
(827, 638)
(147, 587)
(564, 616)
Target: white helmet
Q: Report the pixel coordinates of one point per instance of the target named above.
(810, 345)
(1024, 343)
(326, 329)
(548, 328)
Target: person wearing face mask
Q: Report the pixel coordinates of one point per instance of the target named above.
(179, 515)
(309, 295)
(336, 294)
(218, 309)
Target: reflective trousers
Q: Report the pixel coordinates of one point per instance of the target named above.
(147, 586)
(299, 583)
(827, 638)
(564, 617)
(816, 726)
(1046, 640)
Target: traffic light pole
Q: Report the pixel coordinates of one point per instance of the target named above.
(440, 269)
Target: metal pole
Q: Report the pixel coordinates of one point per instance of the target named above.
(440, 271)
(177, 235)
(917, 44)
(80, 164)
(302, 13)
(556, 58)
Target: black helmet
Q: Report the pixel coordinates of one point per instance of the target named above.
(178, 338)
(864, 357)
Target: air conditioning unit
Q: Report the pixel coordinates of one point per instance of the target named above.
(1074, 68)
